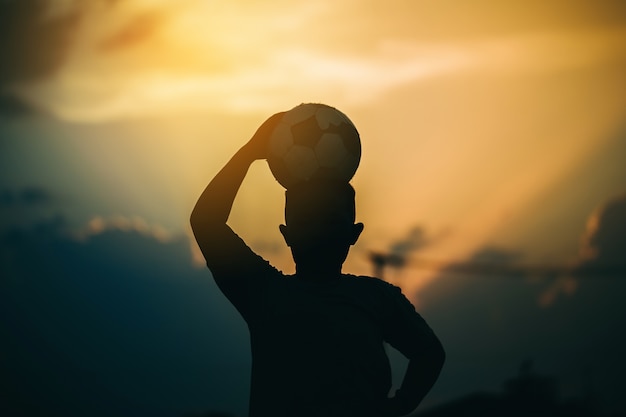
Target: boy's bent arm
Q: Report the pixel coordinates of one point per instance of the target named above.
(421, 374)
(408, 332)
(237, 270)
(214, 205)
(209, 216)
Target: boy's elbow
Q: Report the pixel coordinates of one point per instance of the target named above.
(438, 352)
(200, 226)
(442, 354)
(194, 220)
(205, 229)
(433, 350)
(199, 221)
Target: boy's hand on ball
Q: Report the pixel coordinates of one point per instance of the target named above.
(258, 145)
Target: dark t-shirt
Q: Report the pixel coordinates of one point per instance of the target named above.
(317, 345)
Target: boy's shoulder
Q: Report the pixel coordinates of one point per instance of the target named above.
(373, 284)
(368, 280)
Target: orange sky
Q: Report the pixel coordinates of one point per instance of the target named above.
(468, 115)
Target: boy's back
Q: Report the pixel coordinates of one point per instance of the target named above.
(317, 349)
(317, 344)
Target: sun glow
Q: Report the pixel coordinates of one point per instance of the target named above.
(459, 122)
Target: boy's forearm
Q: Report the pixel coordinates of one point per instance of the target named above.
(215, 203)
(420, 376)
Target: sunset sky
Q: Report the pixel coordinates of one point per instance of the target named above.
(487, 127)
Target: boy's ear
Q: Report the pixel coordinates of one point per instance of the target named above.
(356, 232)
(285, 233)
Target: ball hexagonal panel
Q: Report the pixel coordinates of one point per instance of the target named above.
(351, 139)
(281, 172)
(326, 116)
(330, 150)
(306, 132)
(299, 113)
(347, 167)
(301, 162)
(281, 140)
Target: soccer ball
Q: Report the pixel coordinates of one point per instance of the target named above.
(313, 142)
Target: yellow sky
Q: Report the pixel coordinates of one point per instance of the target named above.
(467, 113)
(143, 57)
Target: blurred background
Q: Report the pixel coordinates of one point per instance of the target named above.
(492, 186)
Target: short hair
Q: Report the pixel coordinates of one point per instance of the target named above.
(314, 198)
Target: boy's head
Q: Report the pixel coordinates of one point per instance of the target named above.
(319, 223)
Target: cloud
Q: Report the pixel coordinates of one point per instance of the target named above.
(286, 73)
(601, 258)
(138, 29)
(24, 207)
(489, 322)
(494, 306)
(486, 263)
(33, 44)
(601, 252)
(35, 39)
(121, 323)
(413, 241)
(206, 59)
(12, 105)
(277, 80)
(39, 36)
(604, 241)
(27, 196)
(45, 229)
(98, 225)
(398, 254)
(563, 284)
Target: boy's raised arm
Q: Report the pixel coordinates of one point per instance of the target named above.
(236, 269)
(214, 205)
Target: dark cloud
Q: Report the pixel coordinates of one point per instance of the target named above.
(602, 253)
(414, 240)
(604, 243)
(12, 105)
(6, 198)
(137, 30)
(33, 45)
(399, 251)
(34, 195)
(118, 324)
(27, 196)
(122, 324)
(493, 310)
(490, 322)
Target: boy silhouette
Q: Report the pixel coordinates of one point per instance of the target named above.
(316, 336)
